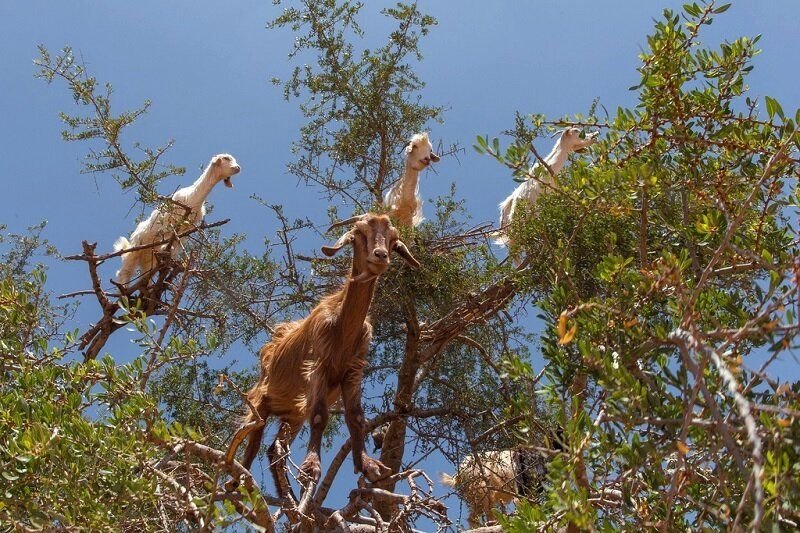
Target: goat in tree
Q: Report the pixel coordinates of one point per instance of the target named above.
(495, 478)
(403, 200)
(570, 141)
(310, 363)
(186, 207)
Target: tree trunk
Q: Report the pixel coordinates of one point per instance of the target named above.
(395, 440)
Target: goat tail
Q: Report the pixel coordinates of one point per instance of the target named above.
(506, 210)
(448, 480)
(500, 238)
(122, 244)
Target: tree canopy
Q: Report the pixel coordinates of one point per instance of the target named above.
(662, 264)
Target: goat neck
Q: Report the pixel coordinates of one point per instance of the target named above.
(201, 188)
(356, 298)
(556, 158)
(409, 183)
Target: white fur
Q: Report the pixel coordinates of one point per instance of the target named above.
(403, 200)
(570, 141)
(492, 479)
(485, 483)
(164, 221)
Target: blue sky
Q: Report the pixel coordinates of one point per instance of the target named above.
(206, 67)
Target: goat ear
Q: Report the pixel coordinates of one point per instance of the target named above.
(435, 158)
(402, 251)
(330, 251)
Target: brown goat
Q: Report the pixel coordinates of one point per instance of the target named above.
(310, 363)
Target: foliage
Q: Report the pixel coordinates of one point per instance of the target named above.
(666, 269)
(361, 105)
(190, 392)
(66, 452)
(663, 266)
(101, 124)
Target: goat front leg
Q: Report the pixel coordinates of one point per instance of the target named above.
(354, 417)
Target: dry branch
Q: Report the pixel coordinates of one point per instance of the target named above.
(151, 292)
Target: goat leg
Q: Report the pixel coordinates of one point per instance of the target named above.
(253, 443)
(311, 467)
(354, 417)
(276, 455)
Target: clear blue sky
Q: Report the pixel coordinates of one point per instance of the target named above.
(206, 66)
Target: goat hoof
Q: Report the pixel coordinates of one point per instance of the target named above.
(231, 485)
(311, 469)
(374, 470)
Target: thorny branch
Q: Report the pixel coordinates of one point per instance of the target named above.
(253, 504)
(151, 287)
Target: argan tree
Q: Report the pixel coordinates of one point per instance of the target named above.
(663, 265)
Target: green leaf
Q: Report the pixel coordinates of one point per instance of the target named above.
(721, 9)
(693, 9)
(773, 107)
(9, 476)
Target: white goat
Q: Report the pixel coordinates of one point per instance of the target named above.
(570, 141)
(484, 483)
(403, 200)
(496, 478)
(187, 207)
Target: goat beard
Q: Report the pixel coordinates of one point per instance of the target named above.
(228, 182)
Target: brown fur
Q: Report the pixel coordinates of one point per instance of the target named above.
(310, 363)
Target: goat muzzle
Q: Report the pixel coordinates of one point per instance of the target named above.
(234, 170)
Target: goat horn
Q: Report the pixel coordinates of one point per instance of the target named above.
(345, 222)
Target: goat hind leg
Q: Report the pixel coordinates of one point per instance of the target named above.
(128, 268)
(277, 453)
(489, 509)
(311, 467)
(253, 436)
(253, 444)
(251, 450)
